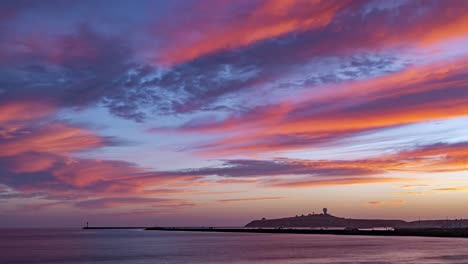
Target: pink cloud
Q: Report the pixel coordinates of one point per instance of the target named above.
(251, 199)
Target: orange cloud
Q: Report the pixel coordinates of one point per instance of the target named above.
(383, 203)
(305, 183)
(435, 158)
(456, 27)
(31, 162)
(412, 186)
(339, 26)
(23, 111)
(51, 138)
(80, 172)
(430, 159)
(270, 19)
(414, 193)
(248, 199)
(32, 145)
(23, 132)
(418, 94)
(456, 188)
(237, 181)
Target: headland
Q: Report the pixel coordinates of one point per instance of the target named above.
(327, 224)
(325, 220)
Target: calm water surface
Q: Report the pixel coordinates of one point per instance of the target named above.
(137, 246)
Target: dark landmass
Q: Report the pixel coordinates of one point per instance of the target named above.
(113, 227)
(327, 221)
(425, 232)
(326, 224)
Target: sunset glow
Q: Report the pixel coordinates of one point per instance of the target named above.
(219, 112)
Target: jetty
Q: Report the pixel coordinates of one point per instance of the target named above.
(113, 227)
(422, 232)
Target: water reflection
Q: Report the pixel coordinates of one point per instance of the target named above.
(136, 246)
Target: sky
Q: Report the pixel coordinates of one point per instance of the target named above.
(216, 113)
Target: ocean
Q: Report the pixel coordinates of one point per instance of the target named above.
(67, 246)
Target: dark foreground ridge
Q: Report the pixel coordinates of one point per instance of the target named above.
(424, 232)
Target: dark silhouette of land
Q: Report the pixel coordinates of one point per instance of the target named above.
(327, 224)
(329, 221)
(425, 232)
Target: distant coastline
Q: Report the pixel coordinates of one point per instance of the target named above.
(422, 232)
(325, 220)
(326, 224)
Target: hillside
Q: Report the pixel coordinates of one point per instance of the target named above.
(327, 220)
